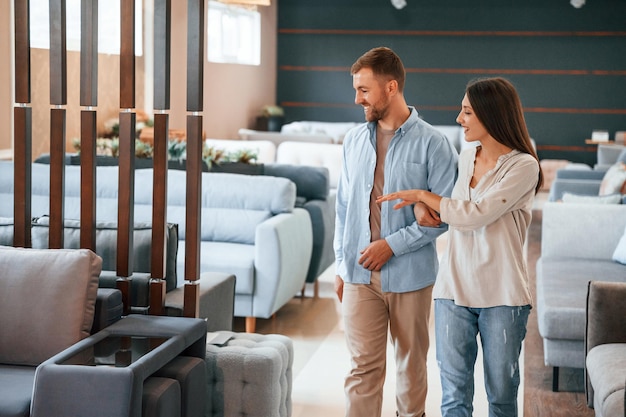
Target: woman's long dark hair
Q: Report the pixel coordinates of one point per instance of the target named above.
(499, 108)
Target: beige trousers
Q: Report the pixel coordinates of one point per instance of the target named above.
(368, 314)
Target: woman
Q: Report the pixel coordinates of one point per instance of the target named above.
(482, 284)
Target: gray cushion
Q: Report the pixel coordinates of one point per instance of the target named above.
(48, 300)
(106, 244)
(17, 387)
(312, 183)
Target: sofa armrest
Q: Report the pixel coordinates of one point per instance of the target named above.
(287, 237)
(566, 226)
(561, 186)
(322, 214)
(606, 307)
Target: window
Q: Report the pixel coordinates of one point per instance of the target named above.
(234, 34)
(108, 26)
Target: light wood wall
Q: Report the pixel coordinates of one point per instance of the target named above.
(233, 94)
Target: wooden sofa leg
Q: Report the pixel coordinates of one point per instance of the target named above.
(316, 289)
(555, 379)
(250, 324)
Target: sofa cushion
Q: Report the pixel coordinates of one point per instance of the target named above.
(312, 183)
(47, 300)
(562, 293)
(592, 199)
(606, 367)
(229, 258)
(620, 251)
(17, 387)
(106, 244)
(614, 180)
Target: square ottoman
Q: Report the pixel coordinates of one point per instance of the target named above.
(250, 374)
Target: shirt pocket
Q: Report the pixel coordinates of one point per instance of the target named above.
(411, 175)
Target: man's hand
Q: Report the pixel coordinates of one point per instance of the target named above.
(375, 255)
(339, 287)
(425, 216)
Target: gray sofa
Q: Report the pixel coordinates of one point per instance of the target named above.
(584, 181)
(50, 365)
(605, 348)
(251, 228)
(313, 195)
(577, 244)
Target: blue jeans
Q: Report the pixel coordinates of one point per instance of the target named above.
(502, 330)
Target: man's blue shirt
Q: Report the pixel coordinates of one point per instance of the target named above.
(418, 157)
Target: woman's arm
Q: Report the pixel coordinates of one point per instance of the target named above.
(432, 200)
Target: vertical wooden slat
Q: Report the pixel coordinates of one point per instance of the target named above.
(159, 213)
(195, 55)
(57, 177)
(58, 54)
(127, 54)
(58, 97)
(22, 125)
(22, 176)
(22, 50)
(89, 53)
(162, 48)
(195, 75)
(162, 35)
(126, 203)
(88, 121)
(88, 179)
(192, 215)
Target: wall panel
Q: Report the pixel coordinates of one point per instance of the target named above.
(568, 64)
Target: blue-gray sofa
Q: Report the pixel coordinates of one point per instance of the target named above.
(251, 228)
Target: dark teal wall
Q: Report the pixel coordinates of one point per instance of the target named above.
(568, 64)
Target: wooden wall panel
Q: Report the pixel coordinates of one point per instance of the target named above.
(89, 53)
(162, 53)
(22, 163)
(57, 177)
(127, 55)
(195, 55)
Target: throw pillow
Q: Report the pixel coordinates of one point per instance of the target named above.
(592, 199)
(614, 180)
(620, 251)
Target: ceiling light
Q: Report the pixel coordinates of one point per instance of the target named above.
(399, 4)
(577, 3)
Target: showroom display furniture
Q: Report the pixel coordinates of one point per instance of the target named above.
(605, 348)
(608, 154)
(577, 244)
(48, 357)
(251, 229)
(250, 374)
(581, 181)
(312, 194)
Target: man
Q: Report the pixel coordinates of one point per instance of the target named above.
(386, 261)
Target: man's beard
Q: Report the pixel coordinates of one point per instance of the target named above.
(377, 112)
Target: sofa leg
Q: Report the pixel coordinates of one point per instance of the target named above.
(555, 379)
(250, 324)
(316, 289)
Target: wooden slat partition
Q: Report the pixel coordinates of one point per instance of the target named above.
(195, 73)
(162, 62)
(22, 125)
(127, 120)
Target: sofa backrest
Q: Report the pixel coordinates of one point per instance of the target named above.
(312, 183)
(584, 231)
(47, 301)
(232, 205)
(329, 156)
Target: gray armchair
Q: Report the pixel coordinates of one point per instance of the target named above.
(50, 365)
(605, 347)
